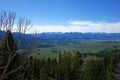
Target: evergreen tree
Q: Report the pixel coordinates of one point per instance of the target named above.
(43, 75)
(95, 70)
(48, 66)
(77, 66)
(67, 60)
(9, 45)
(60, 57)
(110, 68)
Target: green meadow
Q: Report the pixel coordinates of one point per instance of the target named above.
(83, 46)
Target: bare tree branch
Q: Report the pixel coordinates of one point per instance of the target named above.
(7, 20)
(23, 26)
(10, 58)
(2, 67)
(16, 69)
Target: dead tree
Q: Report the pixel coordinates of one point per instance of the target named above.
(7, 23)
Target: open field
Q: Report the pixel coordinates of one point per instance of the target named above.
(52, 49)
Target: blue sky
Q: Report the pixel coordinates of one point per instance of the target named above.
(61, 14)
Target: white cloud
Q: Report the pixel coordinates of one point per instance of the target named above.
(79, 26)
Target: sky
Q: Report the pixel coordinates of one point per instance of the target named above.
(68, 15)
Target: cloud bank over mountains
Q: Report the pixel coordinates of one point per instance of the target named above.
(79, 26)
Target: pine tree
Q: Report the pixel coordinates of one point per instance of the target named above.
(60, 57)
(43, 75)
(77, 66)
(48, 66)
(95, 70)
(67, 60)
(110, 68)
(9, 45)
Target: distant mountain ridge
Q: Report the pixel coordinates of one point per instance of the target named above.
(70, 35)
(76, 35)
